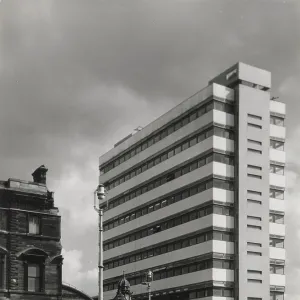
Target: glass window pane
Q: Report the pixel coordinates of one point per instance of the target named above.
(219, 105)
(34, 225)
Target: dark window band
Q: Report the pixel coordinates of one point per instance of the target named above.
(169, 129)
(180, 171)
(167, 224)
(187, 143)
(177, 244)
(171, 271)
(153, 206)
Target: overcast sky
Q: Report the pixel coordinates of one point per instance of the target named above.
(77, 76)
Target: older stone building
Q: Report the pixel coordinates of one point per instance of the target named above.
(30, 247)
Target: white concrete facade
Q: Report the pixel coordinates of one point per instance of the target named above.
(210, 199)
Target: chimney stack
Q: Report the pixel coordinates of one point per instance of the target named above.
(39, 175)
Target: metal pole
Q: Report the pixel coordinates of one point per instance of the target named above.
(100, 194)
(149, 291)
(100, 266)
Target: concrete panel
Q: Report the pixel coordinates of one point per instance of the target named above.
(222, 91)
(277, 253)
(277, 131)
(277, 205)
(254, 75)
(277, 229)
(277, 155)
(277, 280)
(255, 102)
(277, 107)
(277, 180)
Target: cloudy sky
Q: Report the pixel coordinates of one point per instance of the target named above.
(77, 76)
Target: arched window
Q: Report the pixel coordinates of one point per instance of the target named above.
(3, 253)
(34, 268)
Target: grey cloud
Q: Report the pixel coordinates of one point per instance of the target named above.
(73, 72)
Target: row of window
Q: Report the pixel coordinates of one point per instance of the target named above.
(176, 271)
(180, 171)
(207, 292)
(210, 292)
(169, 247)
(33, 223)
(199, 137)
(174, 126)
(199, 188)
(183, 170)
(177, 196)
(217, 209)
(164, 225)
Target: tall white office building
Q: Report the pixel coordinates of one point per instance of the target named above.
(197, 196)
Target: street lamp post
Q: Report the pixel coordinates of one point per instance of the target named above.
(148, 281)
(100, 193)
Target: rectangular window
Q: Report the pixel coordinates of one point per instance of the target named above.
(33, 225)
(254, 253)
(276, 218)
(254, 125)
(254, 117)
(254, 201)
(255, 280)
(277, 121)
(254, 151)
(277, 243)
(252, 244)
(3, 220)
(254, 227)
(277, 194)
(277, 169)
(250, 192)
(34, 278)
(254, 218)
(254, 272)
(254, 142)
(254, 176)
(278, 145)
(254, 167)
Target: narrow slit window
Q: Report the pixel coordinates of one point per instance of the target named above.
(254, 125)
(255, 117)
(252, 244)
(254, 167)
(254, 151)
(255, 142)
(254, 227)
(254, 201)
(254, 218)
(254, 176)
